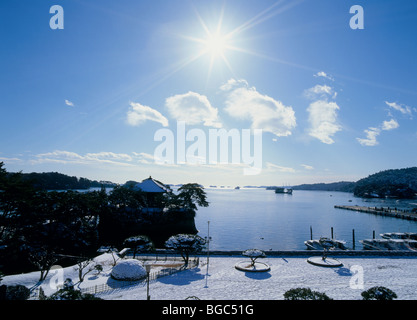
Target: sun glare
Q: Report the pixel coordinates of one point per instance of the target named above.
(218, 45)
(215, 45)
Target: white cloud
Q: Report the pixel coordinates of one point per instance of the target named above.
(266, 113)
(66, 157)
(324, 75)
(144, 158)
(406, 110)
(59, 156)
(274, 167)
(108, 156)
(94, 159)
(138, 114)
(307, 167)
(233, 83)
(69, 103)
(390, 125)
(323, 120)
(318, 90)
(193, 108)
(371, 135)
(9, 159)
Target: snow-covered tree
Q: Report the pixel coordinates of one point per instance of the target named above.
(43, 259)
(139, 243)
(185, 244)
(254, 254)
(85, 266)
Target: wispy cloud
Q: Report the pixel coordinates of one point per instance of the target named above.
(69, 103)
(405, 110)
(6, 159)
(266, 113)
(323, 74)
(103, 158)
(139, 114)
(320, 91)
(307, 167)
(278, 168)
(193, 108)
(372, 133)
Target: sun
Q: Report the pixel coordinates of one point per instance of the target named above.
(219, 41)
(215, 45)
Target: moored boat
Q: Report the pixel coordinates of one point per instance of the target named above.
(389, 244)
(283, 190)
(399, 235)
(326, 243)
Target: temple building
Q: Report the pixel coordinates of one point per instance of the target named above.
(154, 191)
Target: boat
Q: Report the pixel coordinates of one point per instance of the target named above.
(399, 235)
(375, 244)
(389, 244)
(326, 243)
(283, 190)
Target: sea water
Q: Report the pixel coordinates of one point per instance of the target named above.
(245, 218)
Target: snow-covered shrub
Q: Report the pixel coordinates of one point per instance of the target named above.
(129, 269)
(71, 294)
(305, 294)
(378, 293)
(17, 292)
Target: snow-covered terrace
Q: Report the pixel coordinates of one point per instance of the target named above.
(219, 280)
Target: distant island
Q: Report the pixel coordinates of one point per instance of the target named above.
(394, 183)
(398, 183)
(343, 186)
(59, 181)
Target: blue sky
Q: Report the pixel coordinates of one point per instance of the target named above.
(333, 103)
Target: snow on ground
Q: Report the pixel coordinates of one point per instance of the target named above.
(224, 282)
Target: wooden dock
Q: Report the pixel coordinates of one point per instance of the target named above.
(381, 211)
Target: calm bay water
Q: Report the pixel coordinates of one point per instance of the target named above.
(259, 218)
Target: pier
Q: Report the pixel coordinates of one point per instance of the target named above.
(381, 211)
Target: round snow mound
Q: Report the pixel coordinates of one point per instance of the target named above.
(129, 269)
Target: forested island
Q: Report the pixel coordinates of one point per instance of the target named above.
(59, 181)
(342, 186)
(394, 183)
(398, 183)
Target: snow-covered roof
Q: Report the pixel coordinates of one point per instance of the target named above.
(152, 185)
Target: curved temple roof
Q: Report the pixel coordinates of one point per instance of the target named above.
(152, 185)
